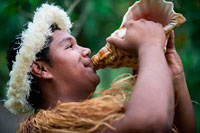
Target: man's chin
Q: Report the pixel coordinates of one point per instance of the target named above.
(97, 80)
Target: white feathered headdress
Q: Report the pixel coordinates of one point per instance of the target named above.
(33, 41)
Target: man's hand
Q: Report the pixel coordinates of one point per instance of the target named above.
(173, 59)
(140, 34)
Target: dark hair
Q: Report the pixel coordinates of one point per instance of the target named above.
(35, 94)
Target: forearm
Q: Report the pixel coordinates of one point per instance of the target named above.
(153, 93)
(150, 105)
(184, 113)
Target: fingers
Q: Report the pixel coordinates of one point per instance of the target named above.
(130, 23)
(116, 41)
(138, 33)
(170, 44)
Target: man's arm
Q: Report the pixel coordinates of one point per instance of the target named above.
(184, 118)
(184, 113)
(150, 107)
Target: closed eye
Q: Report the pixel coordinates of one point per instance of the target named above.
(70, 46)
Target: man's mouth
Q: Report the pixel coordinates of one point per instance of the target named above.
(88, 65)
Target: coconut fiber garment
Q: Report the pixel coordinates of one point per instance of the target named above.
(80, 117)
(89, 116)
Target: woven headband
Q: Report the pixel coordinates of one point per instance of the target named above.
(33, 41)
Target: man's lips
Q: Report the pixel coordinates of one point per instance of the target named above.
(87, 64)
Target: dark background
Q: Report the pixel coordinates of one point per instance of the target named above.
(94, 20)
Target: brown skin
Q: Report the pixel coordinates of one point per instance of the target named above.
(151, 105)
(184, 118)
(69, 77)
(184, 113)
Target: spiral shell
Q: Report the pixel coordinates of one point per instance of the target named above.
(158, 11)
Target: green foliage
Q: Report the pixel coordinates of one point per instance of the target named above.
(94, 20)
(197, 115)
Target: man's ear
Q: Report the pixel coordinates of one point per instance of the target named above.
(40, 70)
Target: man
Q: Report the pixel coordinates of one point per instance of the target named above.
(62, 80)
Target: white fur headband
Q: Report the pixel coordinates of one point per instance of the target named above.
(33, 41)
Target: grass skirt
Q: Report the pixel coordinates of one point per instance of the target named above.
(88, 116)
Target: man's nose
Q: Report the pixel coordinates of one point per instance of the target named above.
(86, 52)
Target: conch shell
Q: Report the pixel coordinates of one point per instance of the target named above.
(153, 10)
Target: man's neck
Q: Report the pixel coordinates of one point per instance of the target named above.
(53, 92)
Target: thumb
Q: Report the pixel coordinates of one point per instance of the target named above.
(118, 42)
(170, 44)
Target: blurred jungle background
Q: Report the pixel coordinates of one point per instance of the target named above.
(94, 20)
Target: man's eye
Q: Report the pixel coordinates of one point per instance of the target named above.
(70, 46)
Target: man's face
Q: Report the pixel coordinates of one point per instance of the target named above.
(71, 63)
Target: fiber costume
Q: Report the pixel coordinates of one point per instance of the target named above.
(83, 117)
